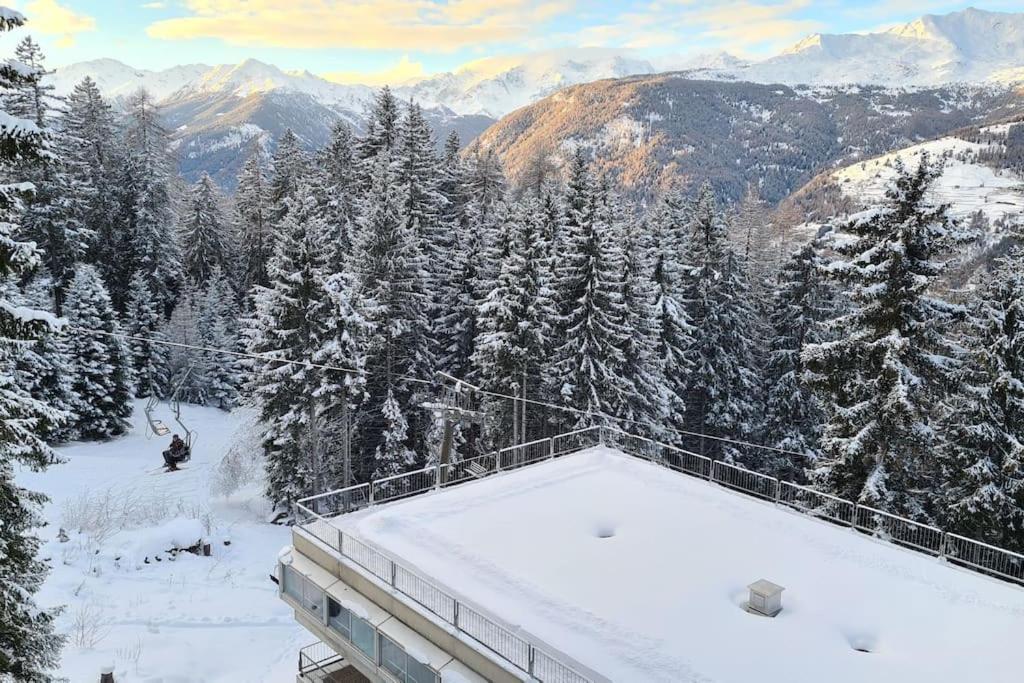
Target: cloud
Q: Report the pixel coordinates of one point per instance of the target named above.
(426, 25)
(742, 26)
(403, 70)
(154, 5)
(51, 18)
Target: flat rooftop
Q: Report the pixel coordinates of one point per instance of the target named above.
(641, 574)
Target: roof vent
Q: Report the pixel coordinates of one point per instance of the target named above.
(765, 598)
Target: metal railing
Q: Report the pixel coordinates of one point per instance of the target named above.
(317, 662)
(311, 516)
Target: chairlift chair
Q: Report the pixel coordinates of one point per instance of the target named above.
(159, 428)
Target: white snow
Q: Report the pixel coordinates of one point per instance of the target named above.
(641, 573)
(181, 617)
(966, 184)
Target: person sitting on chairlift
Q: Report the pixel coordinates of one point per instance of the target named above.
(176, 453)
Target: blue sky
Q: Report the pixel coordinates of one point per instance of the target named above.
(370, 40)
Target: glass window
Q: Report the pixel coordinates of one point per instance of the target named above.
(293, 584)
(364, 637)
(392, 657)
(418, 672)
(339, 618)
(312, 597)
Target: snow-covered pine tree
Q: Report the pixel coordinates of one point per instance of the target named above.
(143, 325)
(588, 361)
(381, 130)
(252, 214)
(218, 329)
(29, 648)
(152, 245)
(103, 378)
(44, 368)
(982, 494)
(648, 404)
(389, 266)
(54, 212)
(286, 327)
(514, 325)
(205, 234)
(454, 328)
(290, 165)
(803, 300)
(187, 367)
(346, 338)
(92, 161)
(722, 385)
(667, 238)
(881, 376)
(337, 163)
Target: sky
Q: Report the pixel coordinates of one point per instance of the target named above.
(374, 41)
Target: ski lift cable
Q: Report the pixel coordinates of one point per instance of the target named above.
(420, 380)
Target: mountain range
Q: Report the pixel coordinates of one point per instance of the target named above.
(219, 112)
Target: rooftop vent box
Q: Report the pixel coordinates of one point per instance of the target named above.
(765, 598)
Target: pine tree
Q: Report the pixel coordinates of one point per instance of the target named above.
(29, 648)
(289, 325)
(338, 165)
(588, 360)
(665, 243)
(151, 244)
(389, 266)
(514, 325)
(218, 329)
(54, 212)
(103, 378)
(93, 161)
(982, 495)
(143, 327)
(44, 368)
(290, 165)
(205, 234)
(381, 130)
(802, 301)
(188, 367)
(252, 214)
(890, 360)
(721, 391)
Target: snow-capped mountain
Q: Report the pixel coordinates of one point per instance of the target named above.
(116, 79)
(971, 46)
(498, 85)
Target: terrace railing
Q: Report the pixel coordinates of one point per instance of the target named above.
(312, 516)
(317, 662)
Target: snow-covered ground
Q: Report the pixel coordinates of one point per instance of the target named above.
(965, 184)
(180, 619)
(641, 574)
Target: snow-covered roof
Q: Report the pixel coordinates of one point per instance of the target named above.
(641, 574)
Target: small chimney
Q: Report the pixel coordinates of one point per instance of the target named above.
(765, 598)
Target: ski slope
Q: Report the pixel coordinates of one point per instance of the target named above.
(640, 574)
(177, 620)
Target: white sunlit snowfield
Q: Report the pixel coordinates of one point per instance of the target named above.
(179, 619)
(640, 574)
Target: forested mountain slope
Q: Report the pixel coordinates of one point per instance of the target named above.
(649, 133)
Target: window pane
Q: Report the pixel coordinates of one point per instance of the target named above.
(364, 638)
(293, 583)
(313, 597)
(392, 657)
(338, 618)
(419, 672)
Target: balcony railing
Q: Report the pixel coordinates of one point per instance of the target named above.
(312, 516)
(317, 662)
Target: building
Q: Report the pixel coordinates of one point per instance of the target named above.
(598, 556)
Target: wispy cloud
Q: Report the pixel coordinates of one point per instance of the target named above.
(49, 17)
(403, 70)
(426, 25)
(154, 5)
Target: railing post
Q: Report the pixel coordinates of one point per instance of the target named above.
(455, 615)
(551, 447)
(371, 493)
(530, 669)
(778, 490)
(393, 572)
(340, 537)
(942, 546)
